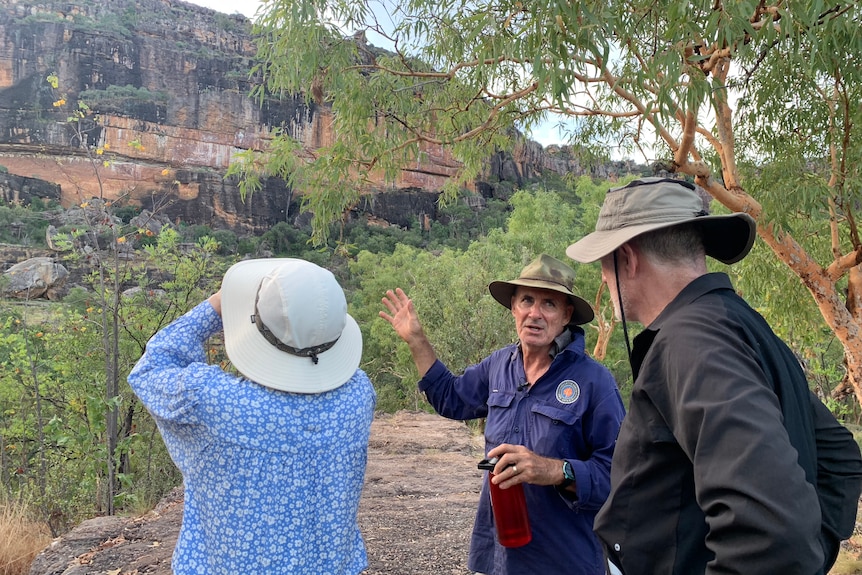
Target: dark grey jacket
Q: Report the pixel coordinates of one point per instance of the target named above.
(715, 464)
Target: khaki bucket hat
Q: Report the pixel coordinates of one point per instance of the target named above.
(649, 204)
(545, 272)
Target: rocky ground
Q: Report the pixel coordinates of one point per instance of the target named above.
(416, 511)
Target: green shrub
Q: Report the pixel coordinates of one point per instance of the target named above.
(126, 213)
(227, 242)
(23, 225)
(247, 245)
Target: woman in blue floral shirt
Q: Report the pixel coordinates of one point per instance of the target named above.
(273, 459)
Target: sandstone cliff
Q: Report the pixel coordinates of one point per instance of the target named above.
(169, 83)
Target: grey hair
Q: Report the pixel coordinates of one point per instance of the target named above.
(676, 244)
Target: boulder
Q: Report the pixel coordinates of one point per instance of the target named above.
(39, 277)
(148, 221)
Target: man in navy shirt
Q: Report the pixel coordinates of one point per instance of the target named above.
(552, 419)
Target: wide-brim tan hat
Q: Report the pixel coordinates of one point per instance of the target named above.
(548, 273)
(649, 204)
(286, 325)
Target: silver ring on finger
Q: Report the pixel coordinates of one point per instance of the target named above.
(515, 469)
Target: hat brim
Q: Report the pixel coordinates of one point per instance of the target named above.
(503, 292)
(727, 238)
(258, 360)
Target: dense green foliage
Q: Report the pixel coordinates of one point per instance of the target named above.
(53, 407)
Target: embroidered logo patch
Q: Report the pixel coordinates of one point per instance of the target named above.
(568, 392)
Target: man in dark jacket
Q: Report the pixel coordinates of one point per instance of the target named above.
(715, 466)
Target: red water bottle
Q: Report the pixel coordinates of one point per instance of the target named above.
(510, 510)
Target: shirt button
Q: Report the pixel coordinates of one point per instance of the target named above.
(616, 546)
(517, 430)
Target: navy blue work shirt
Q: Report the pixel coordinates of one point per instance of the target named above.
(572, 412)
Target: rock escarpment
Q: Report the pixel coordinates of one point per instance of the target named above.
(168, 84)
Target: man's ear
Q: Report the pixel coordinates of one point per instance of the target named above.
(627, 260)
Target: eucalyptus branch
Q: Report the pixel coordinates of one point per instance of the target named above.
(596, 112)
(686, 143)
(739, 201)
(495, 110)
(724, 125)
(648, 114)
(835, 12)
(716, 56)
(414, 87)
(443, 75)
(766, 51)
(714, 142)
(842, 265)
(848, 210)
(835, 240)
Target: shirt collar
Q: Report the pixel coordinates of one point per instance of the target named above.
(698, 287)
(560, 342)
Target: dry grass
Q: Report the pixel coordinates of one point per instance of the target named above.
(21, 539)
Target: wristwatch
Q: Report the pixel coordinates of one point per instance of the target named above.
(568, 475)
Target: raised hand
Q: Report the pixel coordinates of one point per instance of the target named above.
(404, 320)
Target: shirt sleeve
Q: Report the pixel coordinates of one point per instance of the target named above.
(723, 413)
(169, 376)
(457, 397)
(593, 475)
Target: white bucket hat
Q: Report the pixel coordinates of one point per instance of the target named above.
(286, 325)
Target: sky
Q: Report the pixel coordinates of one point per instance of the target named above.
(546, 134)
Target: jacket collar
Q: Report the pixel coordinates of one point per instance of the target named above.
(697, 288)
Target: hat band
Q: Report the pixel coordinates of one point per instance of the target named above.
(546, 280)
(310, 352)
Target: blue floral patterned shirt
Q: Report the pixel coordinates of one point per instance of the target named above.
(272, 479)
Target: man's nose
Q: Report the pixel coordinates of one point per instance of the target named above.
(535, 310)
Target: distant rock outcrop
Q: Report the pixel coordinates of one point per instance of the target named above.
(21, 189)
